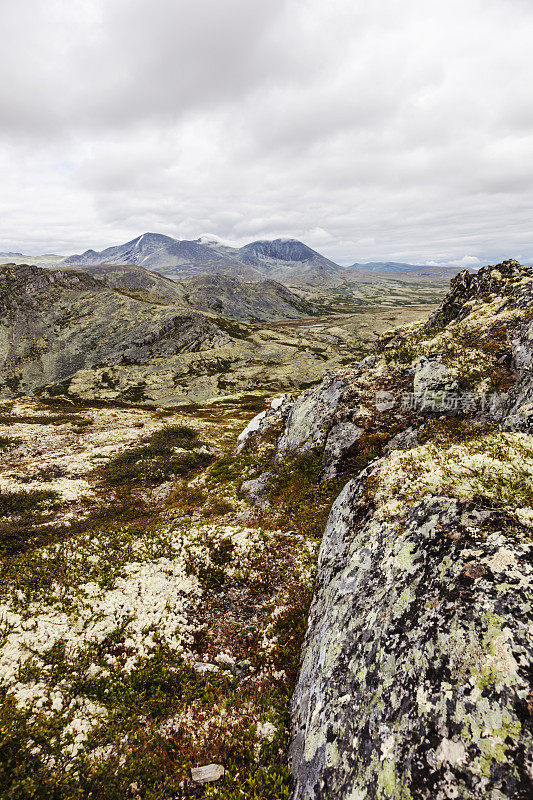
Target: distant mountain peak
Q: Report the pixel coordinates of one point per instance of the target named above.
(284, 259)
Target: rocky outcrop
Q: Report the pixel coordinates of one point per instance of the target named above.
(122, 337)
(414, 676)
(415, 679)
(519, 410)
(312, 416)
(510, 279)
(276, 413)
(340, 439)
(432, 376)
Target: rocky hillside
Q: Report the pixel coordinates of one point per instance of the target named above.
(415, 678)
(161, 567)
(63, 332)
(56, 324)
(224, 295)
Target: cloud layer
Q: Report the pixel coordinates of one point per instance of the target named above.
(397, 129)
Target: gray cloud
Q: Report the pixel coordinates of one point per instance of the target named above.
(386, 130)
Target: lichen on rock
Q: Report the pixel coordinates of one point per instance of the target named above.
(415, 678)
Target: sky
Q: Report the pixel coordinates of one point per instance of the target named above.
(385, 130)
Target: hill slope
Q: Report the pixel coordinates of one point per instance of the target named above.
(225, 295)
(65, 332)
(416, 666)
(55, 323)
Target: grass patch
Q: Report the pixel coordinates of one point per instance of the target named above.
(302, 501)
(25, 502)
(42, 419)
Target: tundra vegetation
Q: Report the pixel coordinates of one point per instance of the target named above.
(156, 585)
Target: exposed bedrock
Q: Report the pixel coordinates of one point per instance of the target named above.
(414, 676)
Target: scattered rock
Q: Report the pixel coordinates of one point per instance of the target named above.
(207, 774)
(256, 489)
(162, 492)
(367, 362)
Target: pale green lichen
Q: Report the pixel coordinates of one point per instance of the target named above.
(498, 467)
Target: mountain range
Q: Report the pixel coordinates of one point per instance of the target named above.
(284, 260)
(388, 266)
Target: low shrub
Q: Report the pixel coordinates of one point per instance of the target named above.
(156, 461)
(8, 442)
(23, 502)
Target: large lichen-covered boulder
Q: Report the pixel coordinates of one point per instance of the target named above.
(520, 412)
(416, 665)
(312, 416)
(340, 439)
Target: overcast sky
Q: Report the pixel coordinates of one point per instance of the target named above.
(370, 129)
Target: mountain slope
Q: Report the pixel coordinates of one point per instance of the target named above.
(223, 295)
(65, 332)
(291, 261)
(165, 254)
(284, 260)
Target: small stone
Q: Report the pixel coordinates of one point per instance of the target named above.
(207, 774)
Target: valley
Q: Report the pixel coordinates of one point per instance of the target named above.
(161, 519)
(134, 336)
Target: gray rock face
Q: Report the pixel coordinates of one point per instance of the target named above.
(262, 422)
(311, 417)
(256, 489)
(414, 674)
(431, 381)
(519, 415)
(341, 437)
(402, 441)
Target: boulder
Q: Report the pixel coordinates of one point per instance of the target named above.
(413, 680)
(312, 416)
(404, 440)
(262, 422)
(432, 381)
(519, 416)
(208, 774)
(341, 437)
